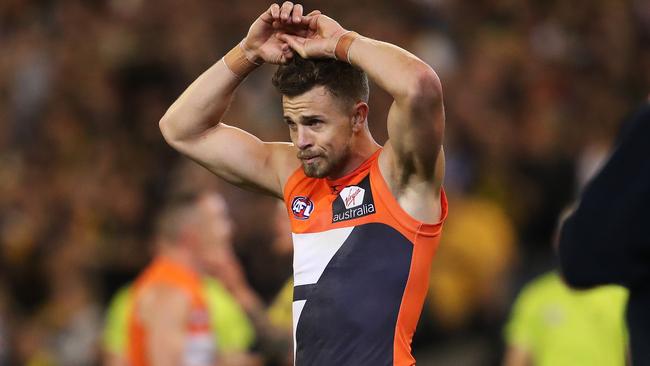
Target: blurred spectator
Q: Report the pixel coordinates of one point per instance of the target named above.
(169, 317)
(271, 341)
(73, 322)
(468, 285)
(281, 309)
(551, 324)
(233, 333)
(4, 327)
(604, 241)
(476, 254)
(30, 345)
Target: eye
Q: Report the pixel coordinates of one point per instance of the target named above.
(315, 122)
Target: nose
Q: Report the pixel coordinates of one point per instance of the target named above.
(304, 139)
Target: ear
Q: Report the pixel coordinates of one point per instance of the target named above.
(359, 116)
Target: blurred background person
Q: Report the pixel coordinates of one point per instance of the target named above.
(280, 310)
(469, 282)
(4, 327)
(169, 321)
(604, 241)
(237, 313)
(233, 332)
(66, 328)
(552, 324)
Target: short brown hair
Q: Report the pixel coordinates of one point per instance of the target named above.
(175, 216)
(340, 78)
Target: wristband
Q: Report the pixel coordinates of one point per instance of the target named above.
(237, 62)
(342, 50)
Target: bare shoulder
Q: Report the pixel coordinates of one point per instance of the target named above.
(417, 194)
(162, 302)
(285, 161)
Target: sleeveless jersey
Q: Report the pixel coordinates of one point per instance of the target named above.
(199, 347)
(361, 269)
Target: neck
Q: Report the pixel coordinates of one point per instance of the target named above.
(179, 255)
(361, 150)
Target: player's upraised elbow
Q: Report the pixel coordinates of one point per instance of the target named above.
(168, 125)
(163, 125)
(424, 87)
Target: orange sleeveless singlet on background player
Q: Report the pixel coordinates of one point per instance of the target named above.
(199, 345)
(361, 269)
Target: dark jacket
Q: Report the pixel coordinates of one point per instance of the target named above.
(607, 239)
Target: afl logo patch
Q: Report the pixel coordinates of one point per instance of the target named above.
(302, 207)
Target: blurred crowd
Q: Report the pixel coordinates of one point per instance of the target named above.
(534, 92)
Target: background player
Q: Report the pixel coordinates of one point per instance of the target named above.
(169, 321)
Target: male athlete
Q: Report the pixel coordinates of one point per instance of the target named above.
(169, 319)
(366, 219)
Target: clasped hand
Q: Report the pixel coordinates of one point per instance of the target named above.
(282, 31)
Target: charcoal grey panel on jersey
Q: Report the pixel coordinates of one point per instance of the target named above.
(350, 314)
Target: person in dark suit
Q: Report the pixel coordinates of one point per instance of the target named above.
(607, 238)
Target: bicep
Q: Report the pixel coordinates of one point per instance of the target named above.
(241, 158)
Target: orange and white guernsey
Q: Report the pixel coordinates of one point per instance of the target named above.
(361, 269)
(199, 347)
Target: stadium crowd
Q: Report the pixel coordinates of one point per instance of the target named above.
(534, 95)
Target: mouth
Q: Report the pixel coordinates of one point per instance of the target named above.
(310, 160)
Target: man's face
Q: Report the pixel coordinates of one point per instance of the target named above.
(321, 129)
(215, 227)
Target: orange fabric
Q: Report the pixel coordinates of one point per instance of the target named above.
(164, 271)
(425, 237)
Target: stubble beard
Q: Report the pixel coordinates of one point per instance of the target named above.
(327, 166)
(315, 170)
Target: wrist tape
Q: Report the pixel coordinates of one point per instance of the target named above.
(237, 62)
(342, 51)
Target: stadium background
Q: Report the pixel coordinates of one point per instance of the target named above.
(534, 91)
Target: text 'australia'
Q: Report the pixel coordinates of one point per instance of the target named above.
(354, 213)
(354, 201)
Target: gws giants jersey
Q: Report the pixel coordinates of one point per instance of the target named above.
(199, 348)
(361, 269)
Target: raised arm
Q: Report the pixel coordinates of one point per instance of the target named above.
(416, 117)
(412, 161)
(192, 125)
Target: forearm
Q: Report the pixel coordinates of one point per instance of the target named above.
(400, 73)
(203, 103)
